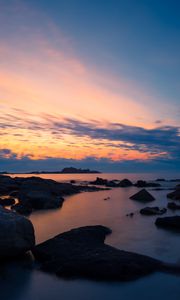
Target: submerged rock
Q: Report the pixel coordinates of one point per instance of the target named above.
(143, 196)
(169, 222)
(153, 211)
(16, 234)
(81, 252)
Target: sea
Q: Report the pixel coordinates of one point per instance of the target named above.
(138, 234)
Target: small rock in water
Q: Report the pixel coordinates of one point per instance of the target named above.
(143, 196)
(153, 211)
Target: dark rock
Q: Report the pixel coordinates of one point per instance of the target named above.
(82, 253)
(108, 198)
(125, 183)
(175, 195)
(142, 183)
(40, 194)
(152, 211)
(173, 206)
(112, 183)
(72, 181)
(99, 181)
(16, 234)
(160, 179)
(169, 222)
(22, 209)
(14, 194)
(7, 184)
(143, 196)
(175, 180)
(7, 201)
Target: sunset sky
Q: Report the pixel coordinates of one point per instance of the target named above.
(90, 83)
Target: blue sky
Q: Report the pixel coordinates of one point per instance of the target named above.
(90, 84)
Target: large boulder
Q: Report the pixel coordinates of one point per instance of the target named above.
(169, 222)
(149, 211)
(40, 194)
(16, 234)
(82, 253)
(143, 196)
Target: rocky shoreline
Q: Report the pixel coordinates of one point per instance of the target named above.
(80, 252)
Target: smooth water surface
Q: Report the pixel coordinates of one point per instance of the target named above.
(138, 234)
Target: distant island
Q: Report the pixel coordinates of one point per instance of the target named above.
(68, 170)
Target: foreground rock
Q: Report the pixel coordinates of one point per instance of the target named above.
(169, 222)
(149, 211)
(82, 253)
(16, 234)
(143, 196)
(173, 206)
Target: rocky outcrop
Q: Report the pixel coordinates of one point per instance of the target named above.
(169, 222)
(112, 183)
(40, 194)
(143, 196)
(149, 211)
(81, 252)
(99, 181)
(7, 184)
(125, 183)
(16, 234)
(143, 183)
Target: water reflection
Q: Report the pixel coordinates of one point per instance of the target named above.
(135, 234)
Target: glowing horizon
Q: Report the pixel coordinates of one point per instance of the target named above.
(56, 104)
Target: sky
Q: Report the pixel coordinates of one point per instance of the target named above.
(91, 84)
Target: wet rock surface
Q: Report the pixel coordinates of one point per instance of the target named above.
(143, 196)
(16, 234)
(82, 253)
(149, 211)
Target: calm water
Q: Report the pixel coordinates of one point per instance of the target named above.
(137, 234)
